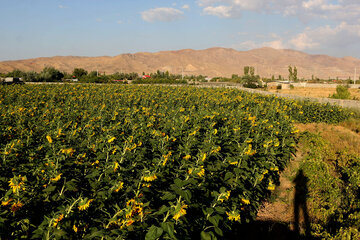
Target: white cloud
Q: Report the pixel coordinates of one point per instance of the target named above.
(342, 10)
(119, 22)
(246, 45)
(277, 44)
(310, 4)
(340, 39)
(303, 41)
(219, 11)
(186, 6)
(62, 6)
(229, 8)
(162, 15)
(99, 19)
(341, 36)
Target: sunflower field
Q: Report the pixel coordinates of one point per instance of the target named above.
(141, 162)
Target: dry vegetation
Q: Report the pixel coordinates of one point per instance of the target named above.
(342, 140)
(316, 92)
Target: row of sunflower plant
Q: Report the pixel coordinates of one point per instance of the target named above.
(135, 162)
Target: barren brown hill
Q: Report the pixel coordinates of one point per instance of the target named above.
(210, 62)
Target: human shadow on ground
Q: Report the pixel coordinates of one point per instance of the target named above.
(266, 230)
(301, 193)
(274, 230)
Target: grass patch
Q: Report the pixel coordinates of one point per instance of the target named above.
(353, 124)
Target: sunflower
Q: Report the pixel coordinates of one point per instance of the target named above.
(85, 204)
(180, 211)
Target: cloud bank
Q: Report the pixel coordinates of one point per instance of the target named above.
(162, 15)
(342, 18)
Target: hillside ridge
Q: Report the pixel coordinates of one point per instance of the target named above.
(215, 61)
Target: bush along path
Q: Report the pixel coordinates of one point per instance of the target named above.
(318, 196)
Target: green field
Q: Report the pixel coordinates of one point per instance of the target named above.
(135, 162)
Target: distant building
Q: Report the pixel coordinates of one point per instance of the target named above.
(71, 80)
(11, 80)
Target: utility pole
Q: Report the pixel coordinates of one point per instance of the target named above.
(355, 76)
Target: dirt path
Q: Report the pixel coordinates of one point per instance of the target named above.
(279, 210)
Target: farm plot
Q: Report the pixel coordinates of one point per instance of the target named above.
(134, 162)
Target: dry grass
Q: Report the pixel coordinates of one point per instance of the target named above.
(315, 92)
(352, 124)
(340, 137)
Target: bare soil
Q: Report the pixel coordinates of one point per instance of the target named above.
(281, 209)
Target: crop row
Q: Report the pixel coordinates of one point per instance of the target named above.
(86, 161)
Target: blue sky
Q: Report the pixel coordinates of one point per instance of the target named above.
(43, 28)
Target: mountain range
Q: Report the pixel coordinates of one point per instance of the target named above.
(210, 62)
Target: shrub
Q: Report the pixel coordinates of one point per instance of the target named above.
(334, 189)
(342, 92)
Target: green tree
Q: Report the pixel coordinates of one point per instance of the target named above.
(251, 81)
(50, 74)
(31, 76)
(252, 71)
(92, 74)
(290, 73)
(79, 72)
(246, 70)
(15, 73)
(295, 74)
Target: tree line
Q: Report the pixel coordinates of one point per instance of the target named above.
(51, 74)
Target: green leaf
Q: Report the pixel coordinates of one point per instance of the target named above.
(207, 236)
(168, 228)
(168, 196)
(220, 210)
(215, 220)
(178, 182)
(208, 211)
(162, 210)
(228, 176)
(186, 195)
(190, 181)
(71, 185)
(95, 233)
(219, 231)
(153, 233)
(50, 188)
(59, 233)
